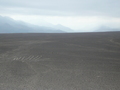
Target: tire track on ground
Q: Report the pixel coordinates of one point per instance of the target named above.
(15, 54)
(92, 48)
(112, 40)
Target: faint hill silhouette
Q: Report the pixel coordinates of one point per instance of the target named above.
(9, 25)
(106, 29)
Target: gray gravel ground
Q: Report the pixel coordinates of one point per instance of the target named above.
(86, 61)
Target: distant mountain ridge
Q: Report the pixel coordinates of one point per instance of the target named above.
(9, 25)
(106, 29)
(61, 27)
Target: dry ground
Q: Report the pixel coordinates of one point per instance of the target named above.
(86, 61)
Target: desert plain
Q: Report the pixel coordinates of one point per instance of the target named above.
(60, 61)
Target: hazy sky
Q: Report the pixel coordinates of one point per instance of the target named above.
(76, 14)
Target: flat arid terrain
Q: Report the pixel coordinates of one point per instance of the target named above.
(73, 61)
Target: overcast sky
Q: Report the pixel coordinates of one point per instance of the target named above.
(76, 14)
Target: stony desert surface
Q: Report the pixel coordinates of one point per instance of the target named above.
(73, 61)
